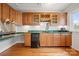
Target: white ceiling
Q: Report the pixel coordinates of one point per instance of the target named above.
(39, 7)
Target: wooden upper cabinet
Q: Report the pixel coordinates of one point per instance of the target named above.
(24, 19)
(16, 16)
(5, 12)
(36, 18)
(55, 18)
(0, 11)
(19, 18)
(27, 18)
(12, 14)
(44, 17)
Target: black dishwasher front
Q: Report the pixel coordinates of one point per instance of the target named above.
(35, 43)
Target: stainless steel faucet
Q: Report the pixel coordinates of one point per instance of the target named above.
(47, 26)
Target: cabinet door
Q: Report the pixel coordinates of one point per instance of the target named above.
(55, 18)
(19, 18)
(28, 39)
(30, 18)
(24, 17)
(5, 12)
(50, 41)
(68, 39)
(27, 19)
(45, 17)
(62, 39)
(36, 19)
(12, 14)
(57, 40)
(43, 39)
(0, 11)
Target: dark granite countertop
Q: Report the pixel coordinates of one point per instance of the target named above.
(49, 31)
(10, 35)
(7, 33)
(4, 36)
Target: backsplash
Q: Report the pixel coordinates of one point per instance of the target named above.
(25, 28)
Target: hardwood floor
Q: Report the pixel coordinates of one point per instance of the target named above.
(20, 50)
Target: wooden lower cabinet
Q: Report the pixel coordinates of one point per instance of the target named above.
(68, 39)
(27, 39)
(56, 40)
(62, 40)
(46, 39)
(43, 39)
(49, 39)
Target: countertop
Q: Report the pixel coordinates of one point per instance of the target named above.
(10, 35)
(7, 33)
(49, 31)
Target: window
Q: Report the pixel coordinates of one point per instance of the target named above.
(75, 18)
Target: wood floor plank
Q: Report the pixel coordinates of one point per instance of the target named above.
(20, 50)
